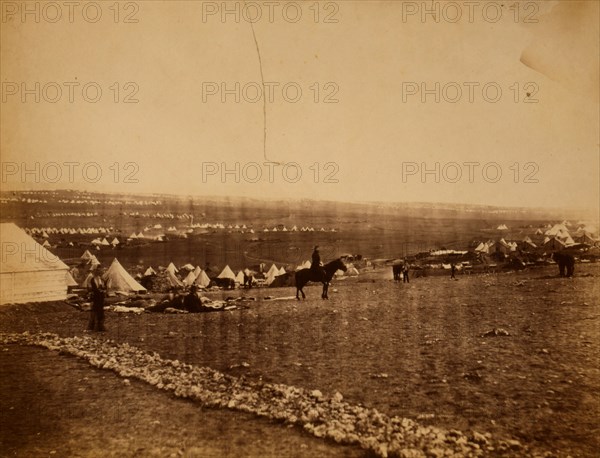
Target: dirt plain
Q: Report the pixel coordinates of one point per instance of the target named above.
(513, 354)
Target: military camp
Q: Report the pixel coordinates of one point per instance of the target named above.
(461, 311)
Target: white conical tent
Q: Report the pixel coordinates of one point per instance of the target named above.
(227, 273)
(118, 279)
(94, 262)
(173, 280)
(87, 281)
(104, 242)
(270, 277)
(190, 279)
(273, 270)
(133, 235)
(115, 242)
(558, 230)
(171, 268)
(46, 244)
(281, 271)
(70, 280)
(197, 271)
(352, 271)
(202, 279)
(149, 271)
(86, 256)
(141, 235)
(28, 271)
(239, 278)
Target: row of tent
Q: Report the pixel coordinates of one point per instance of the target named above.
(295, 229)
(549, 243)
(45, 231)
(559, 230)
(199, 277)
(236, 227)
(104, 242)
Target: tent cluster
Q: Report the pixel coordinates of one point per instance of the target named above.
(552, 238)
(501, 245)
(295, 229)
(45, 231)
(69, 214)
(188, 275)
(446, 252)
(84, 201)
(558, 236)
(103, 242)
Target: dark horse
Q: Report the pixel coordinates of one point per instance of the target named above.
(566, 262)
(397, 270)
(303, 276)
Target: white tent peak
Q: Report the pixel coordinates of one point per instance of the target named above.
(118, 279)
(226, 273)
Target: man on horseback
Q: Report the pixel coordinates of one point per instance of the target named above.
(316, 269)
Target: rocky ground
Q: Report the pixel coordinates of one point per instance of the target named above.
(488, 365)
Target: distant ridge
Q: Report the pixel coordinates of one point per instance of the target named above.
(454, 209)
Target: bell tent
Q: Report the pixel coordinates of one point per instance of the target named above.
(117, 279)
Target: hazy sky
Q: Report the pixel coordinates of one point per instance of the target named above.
(371, 59)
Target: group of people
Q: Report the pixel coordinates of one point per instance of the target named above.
(190, 302)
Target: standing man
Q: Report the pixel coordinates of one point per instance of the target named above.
(98, 290)
(452, 271)
(405, 272)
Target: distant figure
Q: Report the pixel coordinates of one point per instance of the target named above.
(316, 257)
(405, 273)
(75, 273)
(98, 290)
(566, 263)
(315, 266)
(171, 300)
(397, 271)
(452, 271)
(248, 278)
(192, 302)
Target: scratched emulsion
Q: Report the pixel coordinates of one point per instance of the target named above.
(262, 79)
(562, 41)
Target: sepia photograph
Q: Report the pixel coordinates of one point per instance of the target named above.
(300, 229)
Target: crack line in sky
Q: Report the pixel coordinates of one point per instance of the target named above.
(262, 77)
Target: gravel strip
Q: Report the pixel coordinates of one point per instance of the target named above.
(324, 417)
